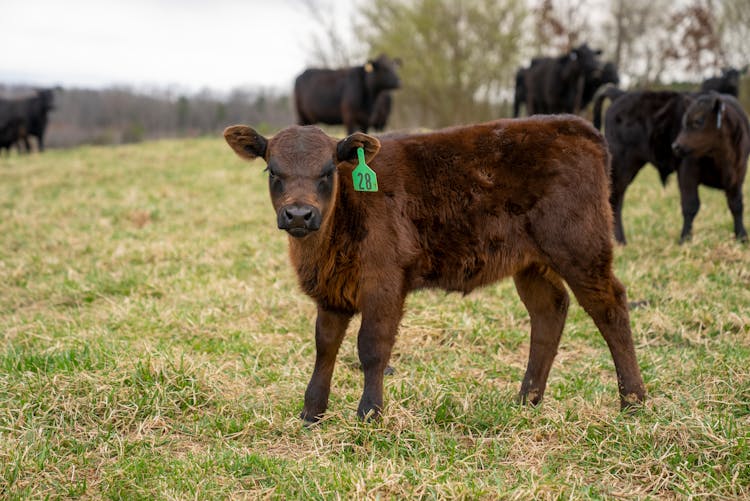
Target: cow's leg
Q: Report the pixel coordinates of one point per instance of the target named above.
(330, 328)
(624, 170)
(516, 106)
(604, 299)
(687, 178)
(377, 335)
(302, 119)
(734, 200)
(546, 300)
(530, 104)
(616, 199)
(40, 142)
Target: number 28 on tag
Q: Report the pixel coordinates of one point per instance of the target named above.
(363, 177)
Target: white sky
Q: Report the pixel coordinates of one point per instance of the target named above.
(219, 44)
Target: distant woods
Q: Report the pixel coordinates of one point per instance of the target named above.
(126, 115)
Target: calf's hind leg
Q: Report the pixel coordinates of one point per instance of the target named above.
(604, 299)
(546, 300)
(734, 201)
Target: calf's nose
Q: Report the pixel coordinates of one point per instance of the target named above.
(679, 150)
(299, 217)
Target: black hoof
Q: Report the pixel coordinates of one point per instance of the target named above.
(533, 398)
(309, 420)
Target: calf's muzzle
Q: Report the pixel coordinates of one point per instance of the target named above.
(299, 220)
(680, 150)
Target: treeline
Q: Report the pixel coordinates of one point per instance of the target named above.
(125, 115)
(459, 63)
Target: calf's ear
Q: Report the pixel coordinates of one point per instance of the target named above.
(346, 149)
(719, 110)
(247, 143)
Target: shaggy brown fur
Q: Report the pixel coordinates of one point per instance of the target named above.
(457, 209)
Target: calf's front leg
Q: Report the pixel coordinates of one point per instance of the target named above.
(380, 319)
(330, 328)
(688, 181)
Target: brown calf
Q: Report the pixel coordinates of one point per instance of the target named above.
(456, 209)
(715, 144)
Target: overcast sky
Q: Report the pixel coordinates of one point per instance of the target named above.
(220, 44)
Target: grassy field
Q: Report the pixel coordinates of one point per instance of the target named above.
(155, 346)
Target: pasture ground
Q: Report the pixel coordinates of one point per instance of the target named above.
(154, 345)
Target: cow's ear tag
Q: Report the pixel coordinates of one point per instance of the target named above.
(363, 177)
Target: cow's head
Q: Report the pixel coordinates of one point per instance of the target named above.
(583, 60)
(702, 125)
(609, 74)
(303, 170)
(46, 99)
(381, 73)
(731, 77)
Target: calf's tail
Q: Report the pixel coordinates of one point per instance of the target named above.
(608, 91)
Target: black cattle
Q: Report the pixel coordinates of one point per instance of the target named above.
(37, 112)
(727, 83)
(556, 84)
(607, 74)
(381, 111)
(715, 144)
(344, 96)
(640, 127)
(32, 112)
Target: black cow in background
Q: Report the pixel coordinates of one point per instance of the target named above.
(606, 75)
(344, 96)
(727, 83)
(381, 111)
(556, 84)
(640, 127)
(37, 113)
(715, 144)
(26, 117)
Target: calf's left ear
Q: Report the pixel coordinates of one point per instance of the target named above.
(719, 110)
(246, 142)
(346, 149)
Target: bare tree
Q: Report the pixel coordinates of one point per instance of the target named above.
(458, 57)
(332, 46)
(733, 26)
(559, 26)
(638, 38)
(696, 43)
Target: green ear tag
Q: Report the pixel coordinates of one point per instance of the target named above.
(363, 177)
